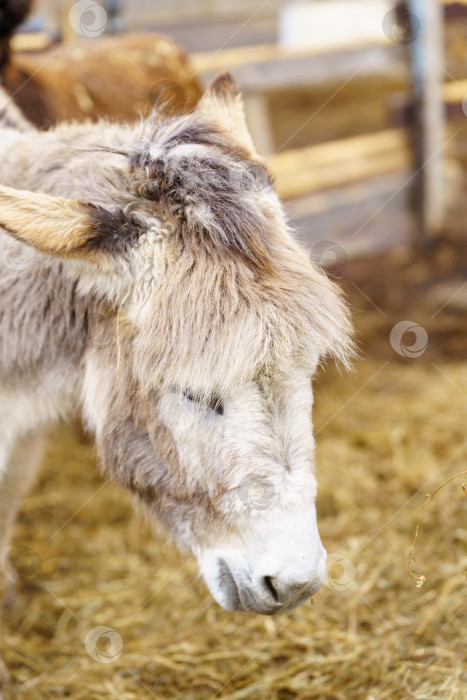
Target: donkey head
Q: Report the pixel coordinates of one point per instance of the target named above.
(201, 400)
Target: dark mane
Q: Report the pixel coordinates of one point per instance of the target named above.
(200, 179)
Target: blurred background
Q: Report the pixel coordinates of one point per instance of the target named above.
(360, 107)
(333, 90)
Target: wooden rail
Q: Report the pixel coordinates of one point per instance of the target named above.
(31, 41)
(270, 66)
(351, 191)
(338, 163)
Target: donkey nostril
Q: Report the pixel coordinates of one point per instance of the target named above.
(269, 584)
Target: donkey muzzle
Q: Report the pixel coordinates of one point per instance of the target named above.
(267, 588)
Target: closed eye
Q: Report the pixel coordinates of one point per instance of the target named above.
(214, 402)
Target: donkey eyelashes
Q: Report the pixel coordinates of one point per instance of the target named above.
(214, 402)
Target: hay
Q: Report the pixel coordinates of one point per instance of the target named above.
(420, 579)
(370, 634)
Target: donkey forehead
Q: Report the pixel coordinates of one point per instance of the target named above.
(189, 130)
(180, 147)
(184, 344)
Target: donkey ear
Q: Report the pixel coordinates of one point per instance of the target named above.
(67, 228)
(223, 103)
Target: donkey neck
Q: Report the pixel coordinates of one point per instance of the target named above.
(46, 324)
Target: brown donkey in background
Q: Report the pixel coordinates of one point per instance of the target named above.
(118, 76)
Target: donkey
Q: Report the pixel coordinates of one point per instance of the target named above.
(150, 281)
(62, 83)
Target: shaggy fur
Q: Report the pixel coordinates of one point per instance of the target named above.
(150, 278)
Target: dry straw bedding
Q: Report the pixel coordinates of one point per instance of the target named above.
(387, 434)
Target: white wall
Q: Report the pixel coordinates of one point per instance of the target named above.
(320, 23)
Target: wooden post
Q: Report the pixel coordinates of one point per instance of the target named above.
(68, 34)
(426, 49)
(259, 122)
(53, 17)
